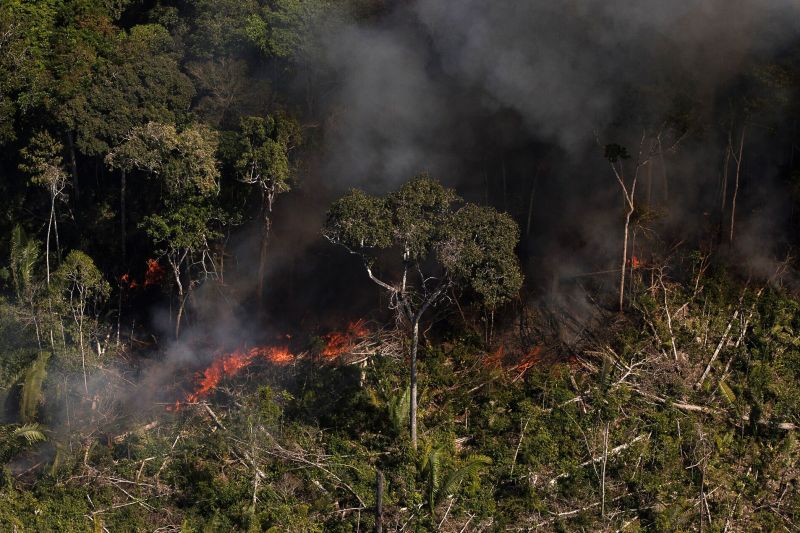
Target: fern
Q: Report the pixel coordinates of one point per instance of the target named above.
(14, 438)
(399, 407)
(32, 433)
(471, 466)
(432, 469)
(24, 254)
(438, 488)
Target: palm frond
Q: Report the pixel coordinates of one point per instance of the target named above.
(399, 408)
(727, 392)
(32, 387)
(32, 433)
(471, 466)
(23, 256)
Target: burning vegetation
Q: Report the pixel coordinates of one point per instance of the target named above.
(353, 343)
(585, 318)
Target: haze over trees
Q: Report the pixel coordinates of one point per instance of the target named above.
(261, 266)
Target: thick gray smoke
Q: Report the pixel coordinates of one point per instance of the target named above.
(481, 93)
(411, 83)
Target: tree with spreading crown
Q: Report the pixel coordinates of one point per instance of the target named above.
(439, 247)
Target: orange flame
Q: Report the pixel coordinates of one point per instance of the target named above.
(529, 359)
(496, 359)
(154, 274)
(230, 364)
(126, 282)
(339, 343)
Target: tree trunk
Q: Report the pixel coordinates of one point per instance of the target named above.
(736, 183)
(122, 216)
(724, 191)
(73, 165)
(176, 269)
(262, 256)
(262, 264)
(624, 257)
(47, 240)
(663, 171)
(379, 502)
(83, 353)
(413, 407)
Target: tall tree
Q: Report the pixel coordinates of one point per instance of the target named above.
(111, 81)
(184, 164)
(82, 288)
(266, 144)
(436, 248)
(42, 160)
(25, 32)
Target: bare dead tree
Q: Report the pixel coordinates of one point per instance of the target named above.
(616, 155)
(738, 160)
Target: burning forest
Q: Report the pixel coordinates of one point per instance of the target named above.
(431, 265)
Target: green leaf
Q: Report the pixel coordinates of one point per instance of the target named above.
(727, 392)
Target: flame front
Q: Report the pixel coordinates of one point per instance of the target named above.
(339, 343)
(230, 364)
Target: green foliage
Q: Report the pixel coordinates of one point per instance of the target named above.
(81, 282)
(473, 245)
(359, 220)
(478, 248)
(14, 438)
(31, 393)
(134, 79)
(26, 28)
(398, 410)
(285, 28)
(42, 160)
(220, 27)
(419, 209)
(265, 147)
(24, 256)
(438, 484)
(184, 161)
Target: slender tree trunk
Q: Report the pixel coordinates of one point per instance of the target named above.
(119, 315)
(736, 182)
(603, 479)
(83, 354)
(624, 257)
(724, 193)
(413, 407)
(55, 231)
(632, 266)
(263, 249)
(123, 183)
(379, 502)
(663, 171)
(47, 239)
(176, 269)
(73, 165)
